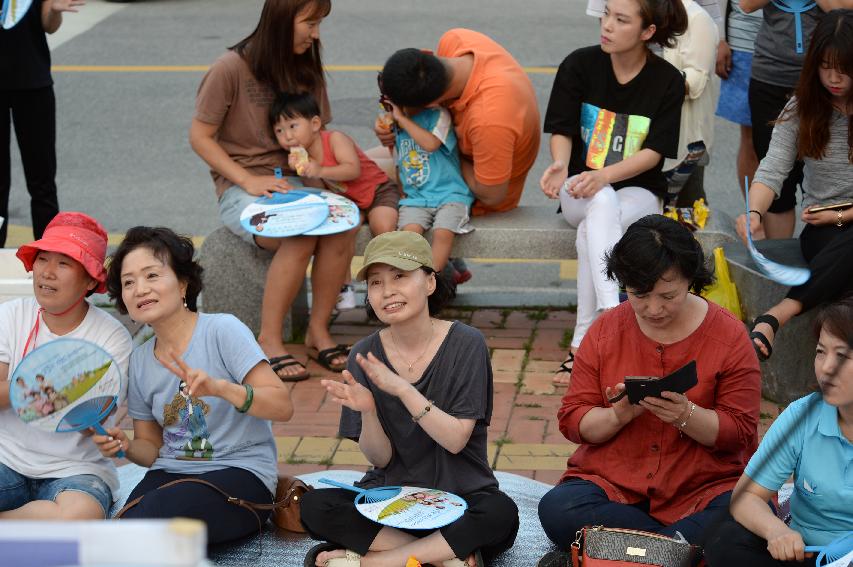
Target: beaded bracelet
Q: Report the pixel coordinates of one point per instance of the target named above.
(250, 397)
(689, 415)
(424, 411)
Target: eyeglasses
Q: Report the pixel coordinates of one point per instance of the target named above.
(383, 99)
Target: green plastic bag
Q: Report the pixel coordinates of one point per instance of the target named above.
(723, 291)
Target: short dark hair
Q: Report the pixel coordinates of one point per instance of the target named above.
(669, 18)
(293, 105)
(414, 78)
(837, 319)
(649, 248)
(170, 248)
(441, 296)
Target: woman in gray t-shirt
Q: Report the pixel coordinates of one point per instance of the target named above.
(423, 390)
(817, 126)
(201, 394)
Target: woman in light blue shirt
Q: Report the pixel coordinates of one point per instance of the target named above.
(813, 439)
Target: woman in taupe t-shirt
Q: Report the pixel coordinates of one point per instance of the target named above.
(231, 132)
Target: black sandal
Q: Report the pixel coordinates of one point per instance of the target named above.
(564, 368)
(325, 357)
(311, 556)
(762, 338)
(279, 362)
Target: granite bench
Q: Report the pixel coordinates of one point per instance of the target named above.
(789, 373)
(235, 271)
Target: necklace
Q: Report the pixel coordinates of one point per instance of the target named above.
(415, 361)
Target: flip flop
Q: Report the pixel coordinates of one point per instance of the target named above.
(350, 559)
(762, 338)
(325, 357)
(564, 368)
(279, 362)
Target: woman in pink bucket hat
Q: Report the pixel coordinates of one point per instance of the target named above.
(47, 475)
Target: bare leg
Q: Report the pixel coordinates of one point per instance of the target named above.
(784, 311)
(747, 161)
(442, 242)
(382, 219)
(382, 156)
(331, 265)
(779, 225)
(69, 505)
(285, 277)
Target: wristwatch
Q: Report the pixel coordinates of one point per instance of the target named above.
(839, 221)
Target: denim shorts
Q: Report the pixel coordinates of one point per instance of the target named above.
(17, 489)
(232, 202)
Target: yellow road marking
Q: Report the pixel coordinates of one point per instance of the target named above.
(203, 68)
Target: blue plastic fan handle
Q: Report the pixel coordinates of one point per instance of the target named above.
(100, 429)
(277, 172)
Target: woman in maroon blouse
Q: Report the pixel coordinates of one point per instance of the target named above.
(668, 463)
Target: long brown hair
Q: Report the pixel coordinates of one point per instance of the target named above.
(269, 49)
(832, 44)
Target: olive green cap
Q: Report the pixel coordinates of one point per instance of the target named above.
(402, 249)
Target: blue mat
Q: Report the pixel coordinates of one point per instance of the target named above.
(285, 549)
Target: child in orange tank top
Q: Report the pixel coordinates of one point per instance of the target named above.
(334, 158)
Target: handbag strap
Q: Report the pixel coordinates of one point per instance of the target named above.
(250, 506)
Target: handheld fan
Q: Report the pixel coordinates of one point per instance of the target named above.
(343, 214)
(12, 12)
(284, 214)
(66, 385)
(406, 507)
(780, 273)
(833, 551)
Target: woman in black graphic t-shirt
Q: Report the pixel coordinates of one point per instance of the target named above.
(613, 117)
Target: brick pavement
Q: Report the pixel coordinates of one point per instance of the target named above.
(526, 347)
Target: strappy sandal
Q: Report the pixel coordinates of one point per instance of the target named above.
(456, 562)
(762, 338)
(279, 362)
(311, 556)
(325, 357)
(564, 369)
(350, 559)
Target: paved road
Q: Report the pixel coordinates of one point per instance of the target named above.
(122, 135)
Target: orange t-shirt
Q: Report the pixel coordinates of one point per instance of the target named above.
(497, 118)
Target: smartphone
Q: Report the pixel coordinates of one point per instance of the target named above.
(639, 387)
(835, 207)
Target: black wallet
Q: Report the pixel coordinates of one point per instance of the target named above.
(638, 387)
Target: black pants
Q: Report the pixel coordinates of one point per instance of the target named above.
(766, 103)
(730, 544)
(490, 523)
(33, 113)
(225, 522)
(829, 253)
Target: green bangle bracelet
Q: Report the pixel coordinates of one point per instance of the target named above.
(250, 397)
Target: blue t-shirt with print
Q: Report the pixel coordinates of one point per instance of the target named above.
(204, 434)
(431, 179)
(805, 439)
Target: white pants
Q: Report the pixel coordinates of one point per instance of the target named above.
(600, 221)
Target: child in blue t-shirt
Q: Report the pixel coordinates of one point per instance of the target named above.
(436, 195)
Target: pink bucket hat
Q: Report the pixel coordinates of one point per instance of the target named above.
(78, 236)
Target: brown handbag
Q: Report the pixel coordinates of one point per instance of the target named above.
(285, 508)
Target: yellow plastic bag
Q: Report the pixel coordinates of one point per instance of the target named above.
(723, 291)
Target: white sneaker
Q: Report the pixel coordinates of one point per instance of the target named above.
(346, 298)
